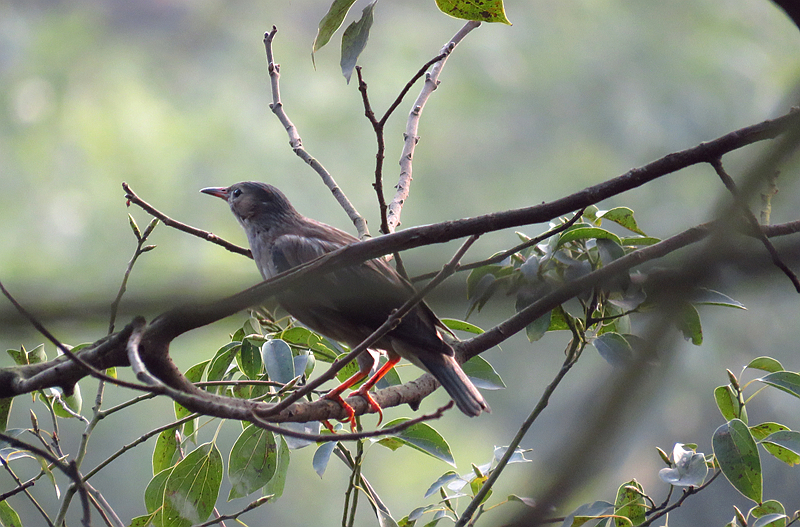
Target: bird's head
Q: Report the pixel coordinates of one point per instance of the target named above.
(251, 200)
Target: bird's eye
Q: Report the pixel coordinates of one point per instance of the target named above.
(236, 193)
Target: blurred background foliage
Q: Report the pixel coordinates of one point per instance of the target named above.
(172, 96)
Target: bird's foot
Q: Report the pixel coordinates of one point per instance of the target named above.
(351, 414)
(374, 406)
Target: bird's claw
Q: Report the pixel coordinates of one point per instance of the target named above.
(351, 414)
(374, 406)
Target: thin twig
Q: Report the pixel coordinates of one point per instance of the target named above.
(514, 250)
(141, 248)
(577, 345)
(23, 487)
(378, 126)
(690, 491)
(255, 504)
(131, 197)
(68, 469)
(730, 184)
(354, 436)
(411, 137)
(297, 143)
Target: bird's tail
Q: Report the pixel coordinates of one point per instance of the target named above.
(453, 379)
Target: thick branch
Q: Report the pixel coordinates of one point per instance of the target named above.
(159, 334)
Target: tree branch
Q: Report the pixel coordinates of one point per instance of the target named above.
(297, 144)
(410, 136)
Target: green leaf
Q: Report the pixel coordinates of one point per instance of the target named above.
(166, 449)
(252, 326)
(764, 429)
(249, 359)
(558, 319)
(350, 369)
(482, 373)
(784, 445)
(154, 492)
(74, 402)
(142, 521)
(5, 411)
(639, 240)
(728, 403)
(301, 336)
(276, 485)
(787, 381)
(135, 228)
(476, 484)
(622, 216)
(193, 374)
(322, 456)
(536, 329)
(462, 325)
(630, 504)
(476, 276)
(443, 480)
(477, 10)
(354, 40)
(588, 512)
(330, 23)
(19, 356)
(738, 517)
(767, 364)
(768, 507)
(277, 357)
(252, 462)
(192, 487)
(710, 297)
(771, 520)
(583, 232)
(37, 355)
(529, 502)
(8, 516)
(614, 348)
(737, 455)
(689, 324)
(422, 437)
(220, 364)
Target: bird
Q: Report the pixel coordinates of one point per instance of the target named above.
(347, 304)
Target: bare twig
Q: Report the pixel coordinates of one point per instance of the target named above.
(689, 491)
(323, 438)
(68, 469)
(141, 248)
(410, 136)
(378, 126)
(131, 197)
(577, 345)
(297, 144)
(730, 184)
(254, 504)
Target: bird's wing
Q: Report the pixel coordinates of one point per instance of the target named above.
(358, 297)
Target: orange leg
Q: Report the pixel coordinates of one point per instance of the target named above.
(363, 390)
(336, 393)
